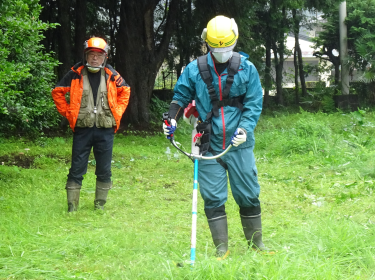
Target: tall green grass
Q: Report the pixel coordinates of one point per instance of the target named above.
(317, 176)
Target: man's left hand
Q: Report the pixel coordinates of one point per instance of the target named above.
(238, 137)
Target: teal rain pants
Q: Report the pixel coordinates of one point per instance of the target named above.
(242, 172)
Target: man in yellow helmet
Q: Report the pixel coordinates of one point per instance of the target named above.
(228, 96)
(98, 98)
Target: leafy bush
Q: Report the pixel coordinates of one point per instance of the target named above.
(157, 108)
(26, 72)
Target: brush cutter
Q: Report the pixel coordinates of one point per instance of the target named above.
(195, 156)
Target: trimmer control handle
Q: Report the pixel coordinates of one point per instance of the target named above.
(167, 121)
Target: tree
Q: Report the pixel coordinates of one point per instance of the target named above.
(64, 31)
(361, 38)
(186, 43)
(141, 51)
(80, 28)
(328, 40)
(49, 14)
(278, 47)
(299, 12)
(298, 63)
(26, 71)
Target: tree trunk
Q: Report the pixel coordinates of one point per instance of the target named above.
(296, 28)
(80, 29)
(179, 66)
(279, 76)
(139, 57)
(296, 87)
(113, 11)
(278, 47)
(48, 14)
(189, 34)
(337, 73)
(301, 71)
(64, 39)
(179, 38)
(184, 34)
(267, 74)
(335, 60)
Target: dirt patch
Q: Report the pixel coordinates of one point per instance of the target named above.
(25, 161)
(20, 160)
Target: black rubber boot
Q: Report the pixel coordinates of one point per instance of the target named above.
(252, 227)
(101, 194)
(217, 221)
(219, 232)
(72, 193)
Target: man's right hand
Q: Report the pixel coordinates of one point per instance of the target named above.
(169, 129)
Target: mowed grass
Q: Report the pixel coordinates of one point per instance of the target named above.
(317, 177)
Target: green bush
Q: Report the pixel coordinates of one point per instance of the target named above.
(158, 107)
(26, 72)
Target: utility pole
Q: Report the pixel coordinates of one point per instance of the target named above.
(344, 49)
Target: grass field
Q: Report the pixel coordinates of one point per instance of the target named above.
(317, 176)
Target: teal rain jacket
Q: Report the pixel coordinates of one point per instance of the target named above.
(190, 86)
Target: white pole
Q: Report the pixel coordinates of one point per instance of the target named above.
(194, 214)
(344, 49)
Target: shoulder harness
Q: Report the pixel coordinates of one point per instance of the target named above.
(204, 127)
(204, 71)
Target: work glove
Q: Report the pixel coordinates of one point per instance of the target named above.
(238, 137)
(190, 120)
(170, 129)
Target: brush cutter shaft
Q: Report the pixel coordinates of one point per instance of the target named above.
(194, 214)
(219, 155)
(199, 157)
(194, 210)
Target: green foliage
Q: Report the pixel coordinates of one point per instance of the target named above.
(26, 73)
(157, 108)
(319, 97)
(358, 116)
(328, 104)
(362, 37)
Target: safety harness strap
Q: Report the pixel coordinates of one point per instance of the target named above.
(204, 127)
(204, 70)
(233, 102)
(206, 76)
(234, 65)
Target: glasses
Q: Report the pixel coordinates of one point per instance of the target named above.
(98, 55)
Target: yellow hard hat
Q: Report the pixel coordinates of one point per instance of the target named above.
(221, 34)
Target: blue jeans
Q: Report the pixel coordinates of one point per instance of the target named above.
(101, 140)
(242, 173)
